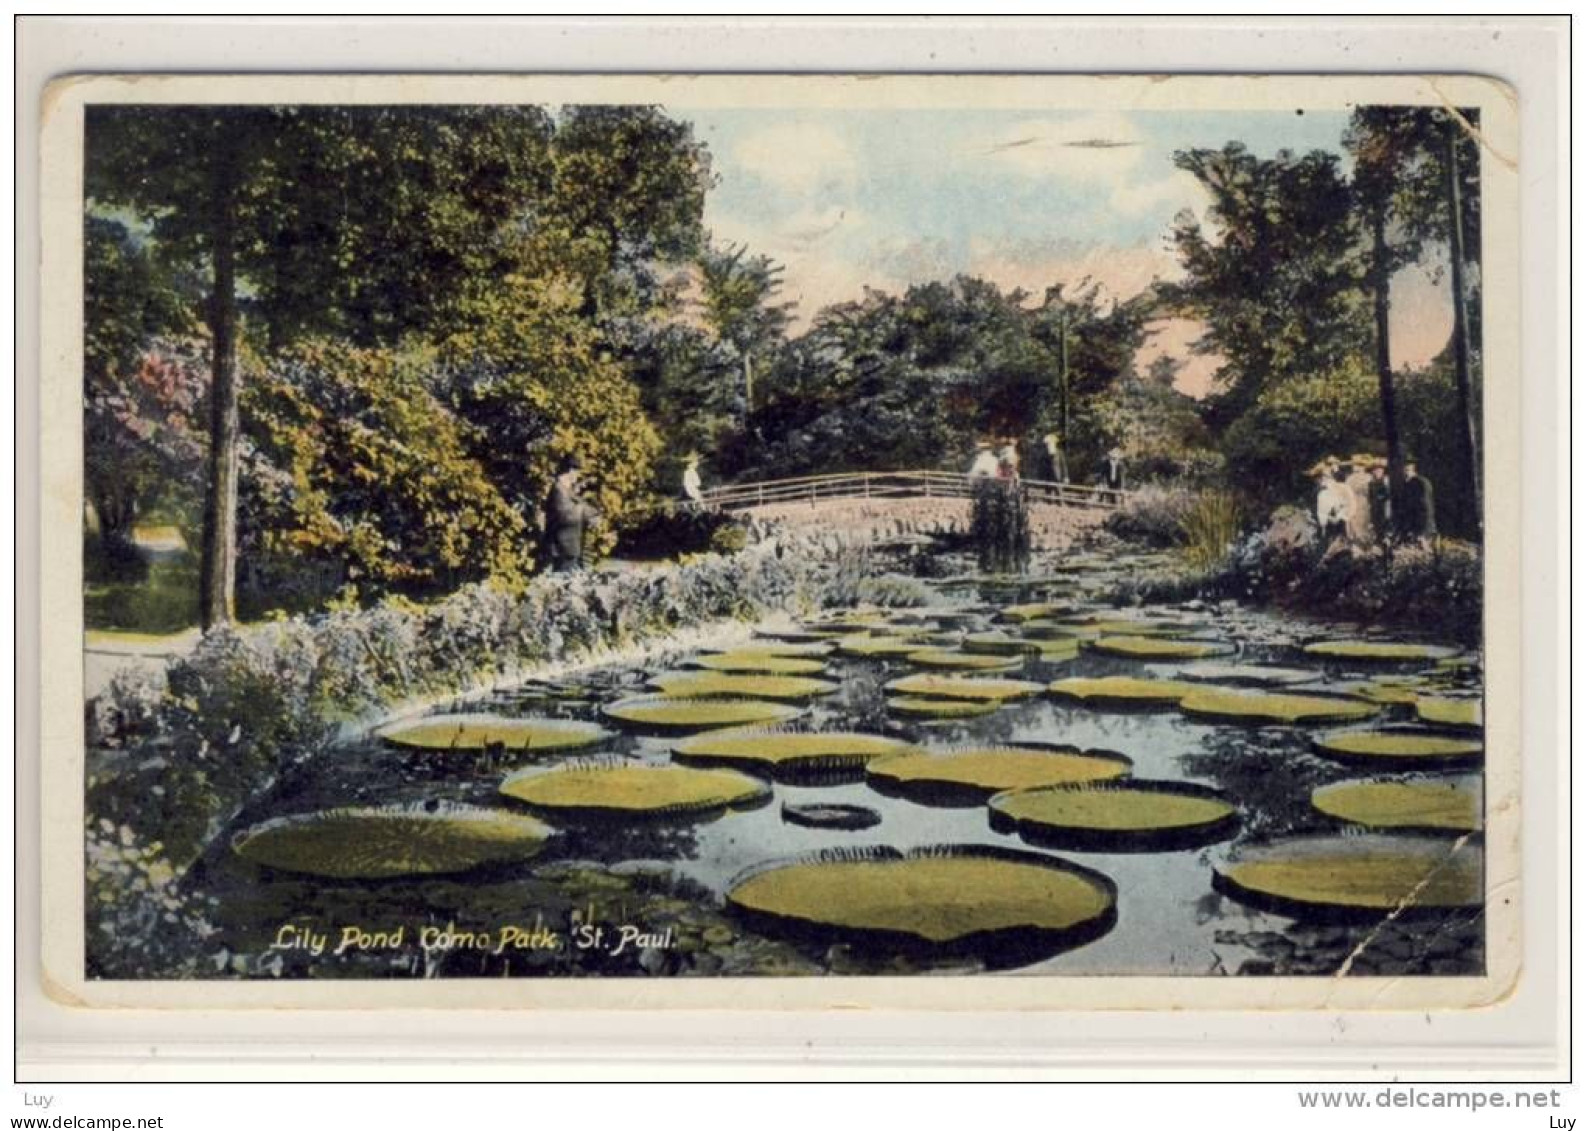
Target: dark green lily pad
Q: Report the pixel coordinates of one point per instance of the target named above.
(389, 842)
(831, 815)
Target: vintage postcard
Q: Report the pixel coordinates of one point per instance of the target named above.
(678, 541)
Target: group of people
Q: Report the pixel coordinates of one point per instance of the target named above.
(1003, 463)
(1356, 502)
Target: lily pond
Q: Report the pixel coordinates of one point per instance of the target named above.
(1016, 777)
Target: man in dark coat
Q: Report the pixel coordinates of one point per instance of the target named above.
(567, 518)
(1415, 509)
(1112, 471)
(1379, 503)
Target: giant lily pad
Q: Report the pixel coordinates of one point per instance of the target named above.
(878, 647)
(1241, 675)
(1125, 816)
(1455, 714)
(1381, 652)
(1007, 907)
(831, 815)
(797, 635)
(969, 775)
(1428, 804)
(948, 659)
(482, 732)
(1355, 877)
(1262, 708)
(759, 663)
(629, 791)
(1057, 651)
(927, 709)
(662, 715)
(1123, 691)
(697, 685)
(1396, 747)
(982, 689)
(781, 753)
(379, 843)
(1000, 644)
(808, 649)
(1036, 611)
(1156, 647)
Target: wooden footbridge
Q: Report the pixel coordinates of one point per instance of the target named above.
(846, 487)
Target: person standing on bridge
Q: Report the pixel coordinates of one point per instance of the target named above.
(1008, 462)
(693, 487)
(984, 465)
(1112, 472)
(1057, 461)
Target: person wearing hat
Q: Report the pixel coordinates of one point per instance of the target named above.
(693, 487)
(1112, 472)
(568, 518)
(1415, 507)
(1335, 503)
(1357, 479)
(1057, 461)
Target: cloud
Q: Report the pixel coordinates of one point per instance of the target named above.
(1167, 196)
(797, 156)
(1094, 148)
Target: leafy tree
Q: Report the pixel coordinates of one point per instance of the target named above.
(629, 186)
(140, 400)
(738, 302)
(529, 372)
(1414, 169)
(376, 476)
(1277, 279)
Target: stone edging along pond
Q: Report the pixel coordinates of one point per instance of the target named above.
(171, 765)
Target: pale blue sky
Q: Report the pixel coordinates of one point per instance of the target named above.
(849, 198)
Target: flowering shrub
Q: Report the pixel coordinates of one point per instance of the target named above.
(245, 705)
(1153, 514)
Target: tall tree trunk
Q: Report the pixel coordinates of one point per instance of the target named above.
(1381, 279)
(1456, 253)
(748, 387)
(218, 566)
(1062, 386)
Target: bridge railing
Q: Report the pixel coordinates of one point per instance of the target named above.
(896, 485)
